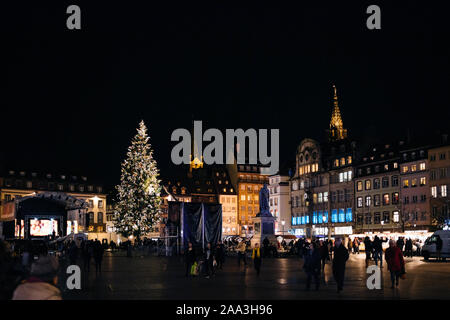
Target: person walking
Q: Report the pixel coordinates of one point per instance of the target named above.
(241, 249)
(438, 247)
(356, 246)
(368, 249)
(396, 264)
(256, 256)
(86, 253)
(209, 260)
(311, 265)
(220, 254)
(408, 248)
(189, 258)
(400, 243)
(324, 254)
(266, 244)
(339, 260)
(350, 245)
(98, 256)
(378, 251)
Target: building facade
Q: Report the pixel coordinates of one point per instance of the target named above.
(279, 202)
(18, 184)
(415, 190)
(439, 161)
(377, 190)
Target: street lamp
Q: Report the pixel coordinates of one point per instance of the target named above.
(282, 223)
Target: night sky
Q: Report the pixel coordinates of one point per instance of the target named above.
(73, 98)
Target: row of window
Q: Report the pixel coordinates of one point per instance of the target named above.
(378, 217)
(377, 200)
(99, 203)
(442, 191)
(377, 168)
(99, 217)
(318, 217)
(313, 182)
(423, 181)
(367, 184)
(442, 156)
(413, 167)
(50, 186)
(414, 199)
(308, 168)
(342, 161)
(441, 171)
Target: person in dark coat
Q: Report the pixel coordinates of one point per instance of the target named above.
(220, 254)
(86, 253)
(98, 256)
(378, 251)
(189, 258)
(368, 249)
(394, 259)
(438, 247)
(324, 253)
(400, 243)
(339, 260)
(311, 265)
(408, 248)
(209, 260)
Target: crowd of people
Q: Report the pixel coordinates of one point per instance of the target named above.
(29, 269)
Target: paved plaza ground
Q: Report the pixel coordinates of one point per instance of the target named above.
(152, 277)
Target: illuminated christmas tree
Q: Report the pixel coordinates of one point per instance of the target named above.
(137, 211)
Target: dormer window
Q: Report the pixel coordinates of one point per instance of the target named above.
(22, 173)
(49, 176)
(84, 178)
(63, 177)
(11, 172)
(34, 174)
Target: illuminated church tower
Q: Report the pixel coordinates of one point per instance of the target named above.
(337, 131)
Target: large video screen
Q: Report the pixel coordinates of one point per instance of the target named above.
(43, 227)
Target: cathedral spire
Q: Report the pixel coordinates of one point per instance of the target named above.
(337, 131)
